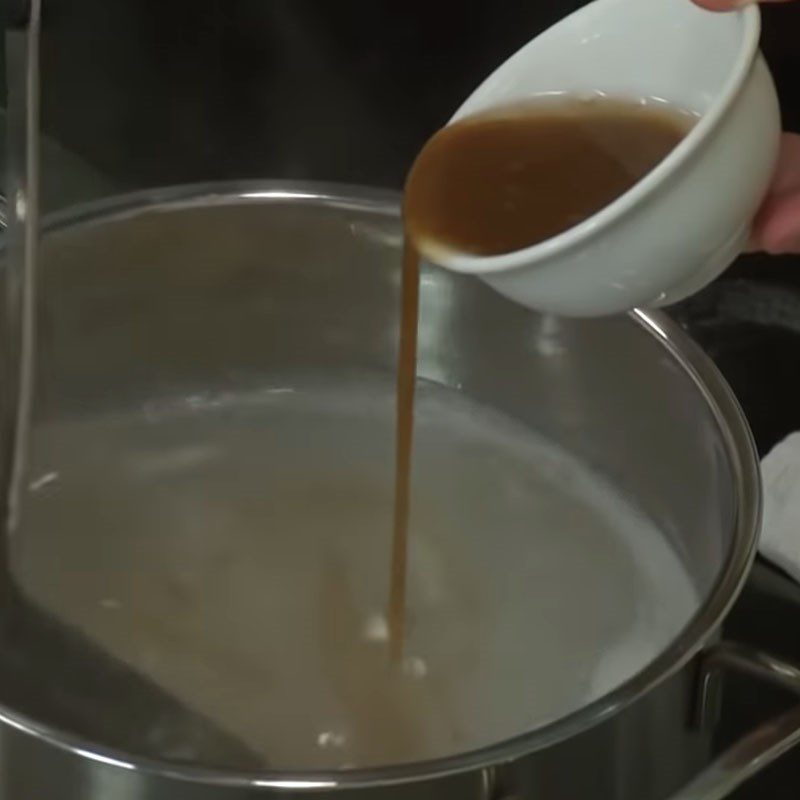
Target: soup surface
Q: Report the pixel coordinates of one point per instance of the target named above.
(234, 549)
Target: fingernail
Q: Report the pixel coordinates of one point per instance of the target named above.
(724, 5)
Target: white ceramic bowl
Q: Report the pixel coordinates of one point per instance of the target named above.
(679, 227)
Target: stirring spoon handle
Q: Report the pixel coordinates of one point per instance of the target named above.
(23, 242)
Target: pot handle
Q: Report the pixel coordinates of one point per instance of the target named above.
(760, 747)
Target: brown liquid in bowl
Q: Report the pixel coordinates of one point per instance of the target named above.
(500, 182)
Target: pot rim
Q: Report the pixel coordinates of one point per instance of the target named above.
(740, 449)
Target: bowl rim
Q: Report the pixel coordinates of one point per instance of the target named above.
(749, 29)
(735, 433)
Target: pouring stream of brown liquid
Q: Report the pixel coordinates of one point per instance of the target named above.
(500, 182)
(406, 380)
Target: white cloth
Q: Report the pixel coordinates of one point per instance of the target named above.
(780, 536)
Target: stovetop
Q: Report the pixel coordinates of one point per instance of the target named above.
(749, 323)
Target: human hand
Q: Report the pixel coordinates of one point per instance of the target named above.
(777, 226)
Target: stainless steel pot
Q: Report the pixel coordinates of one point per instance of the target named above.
(214, 287)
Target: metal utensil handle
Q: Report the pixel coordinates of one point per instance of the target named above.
(757, 749)
(15, 14)
(22, 245)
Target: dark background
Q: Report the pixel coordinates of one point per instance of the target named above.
(139, 93)
(164, 91)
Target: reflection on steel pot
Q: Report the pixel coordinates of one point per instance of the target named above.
(208, 519)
